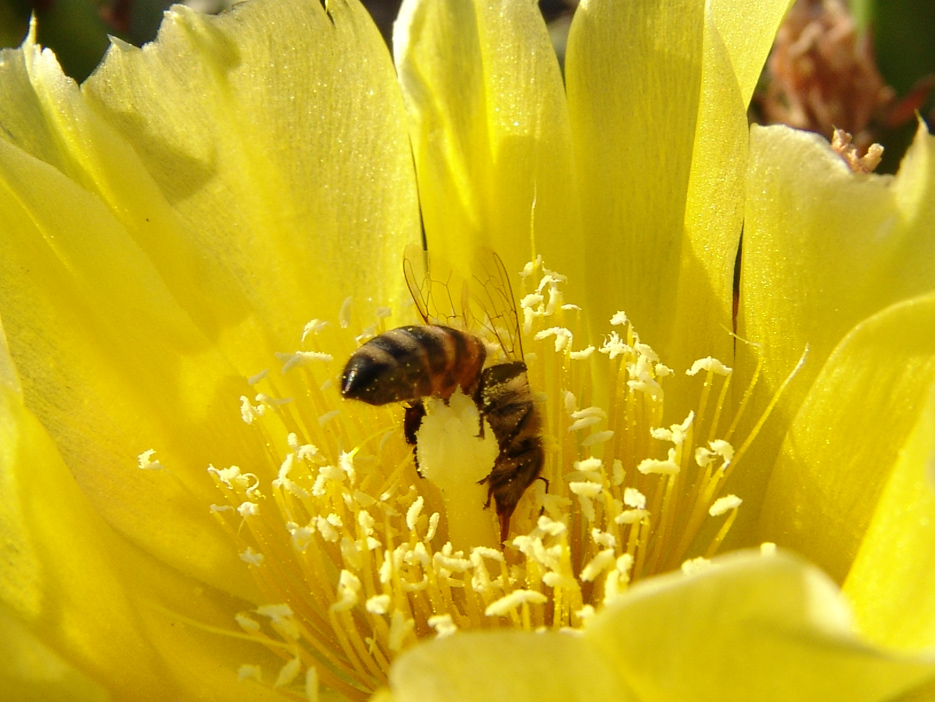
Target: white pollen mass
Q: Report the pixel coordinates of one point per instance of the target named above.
(653, 465)
(455, 457)
(598, 437)
(288, 672)
(313, 326)
(634, 498)
(249, 672)
(297, 359)
(252, 557)
(327, 417)
(563, 337)
(412, 514)
(724, 504)
(147, 461)
(584, 423)
(589, 464)
(586, 489)
(254, 379)
(443, 624)
(378, 604)
(248, 412)
(451, 452)
(708, 364)
(582, 354)
(604, 560)
(507, 603)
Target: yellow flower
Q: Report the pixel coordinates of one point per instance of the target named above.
(197, 238)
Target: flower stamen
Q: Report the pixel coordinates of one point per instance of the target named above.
(359, 557)
(769, 408)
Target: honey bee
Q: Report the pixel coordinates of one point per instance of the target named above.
(433, 360)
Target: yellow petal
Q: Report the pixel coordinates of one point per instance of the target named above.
(747, 30)
(283, 155)
(661, 136)
(893, 576)
(112, 367)
(823, 249)
(846, 439)
(489, 129)
(505, 666)
(58, 579)
(84, 613)
(633, 71)
(172, 224)
(217, 148)
(29, 669)
(750, 627)
(737, 39)
(746, 627)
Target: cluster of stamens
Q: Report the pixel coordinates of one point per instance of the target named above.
(351, 547)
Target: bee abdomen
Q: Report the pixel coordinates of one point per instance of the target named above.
(407, 363)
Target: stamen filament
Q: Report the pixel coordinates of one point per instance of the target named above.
(721, 400)
(705, 393)
(348, 648)
(747, 395)
(769, 408)
(721, 534)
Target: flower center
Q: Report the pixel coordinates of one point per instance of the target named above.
(360, 556)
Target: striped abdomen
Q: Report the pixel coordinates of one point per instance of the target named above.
(408, 363)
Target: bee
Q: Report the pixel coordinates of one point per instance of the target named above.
(433, 360)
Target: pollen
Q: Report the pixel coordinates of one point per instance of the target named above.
(362, 546)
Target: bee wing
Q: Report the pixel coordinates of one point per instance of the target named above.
(484, 303)
(492, 298)
(440, 294)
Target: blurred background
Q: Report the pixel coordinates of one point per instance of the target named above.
(865, 66)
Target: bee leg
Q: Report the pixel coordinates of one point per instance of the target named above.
(415, 460)
(411, 423)
(476, 395)
(489, 491)
(504, 510)
(504, 526)
(546, 481)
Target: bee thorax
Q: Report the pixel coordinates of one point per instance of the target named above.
(506, 400)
